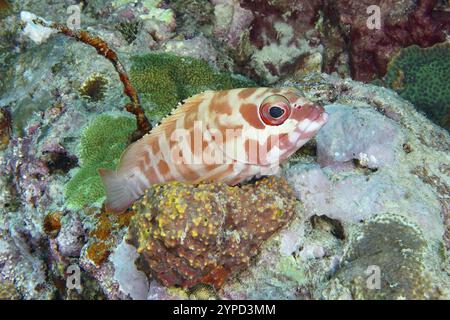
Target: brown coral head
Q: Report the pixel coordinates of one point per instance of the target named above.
(94, 87)
(189, 234)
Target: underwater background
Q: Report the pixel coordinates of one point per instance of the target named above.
(359, 212)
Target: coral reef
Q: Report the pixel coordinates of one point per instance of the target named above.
(403, 23)
(145, 23)
(189, 234)
(421, 76)
(40, 30)
(164, 80)
(101, 235)
(324, 35)
(396, 248)
(300, 262)
(101, 145)
(376, 176)
(192, 15)
(129, 29)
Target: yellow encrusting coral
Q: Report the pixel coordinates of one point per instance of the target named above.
(188, 234)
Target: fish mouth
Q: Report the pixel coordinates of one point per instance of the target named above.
(318, 118)
(322, 118)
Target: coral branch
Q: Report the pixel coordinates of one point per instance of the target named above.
(143, 125)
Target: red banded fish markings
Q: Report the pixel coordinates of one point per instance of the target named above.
(236, 127)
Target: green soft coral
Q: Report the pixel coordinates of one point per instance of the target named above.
(421, 76)
(101, 145)
(163, 80)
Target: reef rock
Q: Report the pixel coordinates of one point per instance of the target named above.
(396, 256)
(355, 134)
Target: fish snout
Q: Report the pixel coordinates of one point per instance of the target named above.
(315, 112)
(311, 112)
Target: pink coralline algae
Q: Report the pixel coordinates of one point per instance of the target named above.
(274, 39)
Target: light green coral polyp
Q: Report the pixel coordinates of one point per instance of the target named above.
(101, 146)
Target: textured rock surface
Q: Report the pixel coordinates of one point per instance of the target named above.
(362, 135)
(402, 23)
(131, 281)
(390, 247)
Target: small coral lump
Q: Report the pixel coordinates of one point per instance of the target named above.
(188, 234)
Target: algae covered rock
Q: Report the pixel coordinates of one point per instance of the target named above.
(188, 234)
(422, 77)
(410, 183)
(388, 258)
(8, 291)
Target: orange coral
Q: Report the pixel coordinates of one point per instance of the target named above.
(107, 224)
(98, 252)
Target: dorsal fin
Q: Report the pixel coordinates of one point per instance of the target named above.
(189, 105)
(133, 154)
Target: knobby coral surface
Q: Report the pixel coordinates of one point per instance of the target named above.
(189, 234)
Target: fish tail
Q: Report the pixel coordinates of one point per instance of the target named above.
(118, 196)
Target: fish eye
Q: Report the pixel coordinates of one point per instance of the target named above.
(275, 110)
